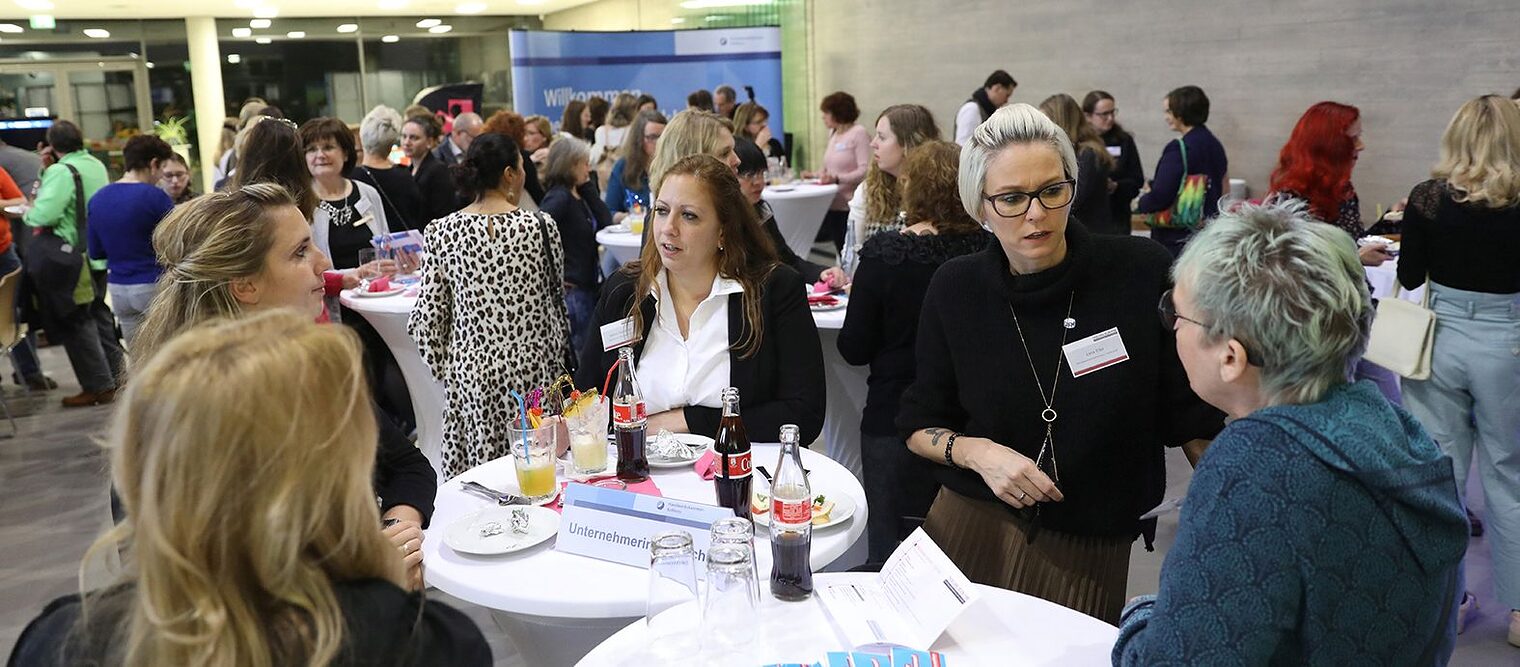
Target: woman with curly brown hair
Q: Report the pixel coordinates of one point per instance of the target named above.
(513, 126)
(881, 328)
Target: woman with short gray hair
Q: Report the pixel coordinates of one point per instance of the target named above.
(1050, 442)
(1321, 497)
(576, 206)
(378, 134)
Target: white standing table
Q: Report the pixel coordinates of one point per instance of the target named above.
(389, 315)
(1385, 280)
(622, 245)
(1003, 628)
(799, 210)
(557, 606)
(846, 387)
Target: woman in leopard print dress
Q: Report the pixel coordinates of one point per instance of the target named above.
(491, 316)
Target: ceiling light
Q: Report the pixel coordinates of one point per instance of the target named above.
(470, 8)
(390, 39)
(233, 59)
(264, 40)
(678, 19)
(715, 17)
(266, 12)
(709, 4)
(260, 24)
(242, 33)
(35, 5)
(97, 33)
(148, 65)
(440, 29)
(11, 28)
(43, 22)
(348, 28)
(428, 23)
(530, 2)
(296, 34)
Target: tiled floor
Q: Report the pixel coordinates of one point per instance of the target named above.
(53, 504)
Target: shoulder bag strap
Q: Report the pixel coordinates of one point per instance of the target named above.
(1182, 146)
(81, 219)
(386, 198)
(556, 287)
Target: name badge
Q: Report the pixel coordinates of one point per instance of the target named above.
(841, 147)
(1115, 151)
(617, 334)
(1095, 352)
(617, 526)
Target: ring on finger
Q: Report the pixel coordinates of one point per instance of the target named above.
(1023, 495)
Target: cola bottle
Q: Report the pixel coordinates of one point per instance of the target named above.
(733, 478)
(629, 421)
(791, 523)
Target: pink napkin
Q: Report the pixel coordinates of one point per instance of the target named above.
(822, 287)
(646, 487)
(381, 284)
(707, 465)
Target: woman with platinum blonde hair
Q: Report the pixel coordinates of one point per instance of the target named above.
(1046, 459)
(250, 536)
(1321, 497)
(1462, 235)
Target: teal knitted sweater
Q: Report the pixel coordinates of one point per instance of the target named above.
(1321, 534)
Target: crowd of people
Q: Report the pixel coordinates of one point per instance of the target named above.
(1325, 523)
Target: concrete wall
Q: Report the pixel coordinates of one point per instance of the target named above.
(1407, 63)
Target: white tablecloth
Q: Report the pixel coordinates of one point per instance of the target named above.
(846, 386)
(623, 246)
(389, 315)
(1003, 628)
(799, 210)
(1385, 279)
(558, 606)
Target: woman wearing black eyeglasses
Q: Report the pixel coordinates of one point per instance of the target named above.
(1046, 387)
(1128, 176)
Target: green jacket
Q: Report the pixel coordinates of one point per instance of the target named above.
(54, 207)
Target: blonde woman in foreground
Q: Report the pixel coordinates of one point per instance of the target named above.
(250, 537)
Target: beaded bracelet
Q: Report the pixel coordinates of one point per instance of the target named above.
(950, 446)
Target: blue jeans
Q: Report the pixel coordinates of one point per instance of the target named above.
(24, 355)
(580, 305)
(1469, 405)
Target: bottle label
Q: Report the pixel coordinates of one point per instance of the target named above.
(738, 466)
(624, 413)
(792, 511)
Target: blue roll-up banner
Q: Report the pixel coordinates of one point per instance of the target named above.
(549, 69)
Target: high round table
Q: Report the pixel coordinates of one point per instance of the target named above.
(846, 387)
(799, 210)
(557, 606)
(623, 246)
(1003, 628)
(388, 315)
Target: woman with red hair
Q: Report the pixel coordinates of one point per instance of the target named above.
(1315, 166)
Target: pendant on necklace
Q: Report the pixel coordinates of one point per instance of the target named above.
(1069, 323)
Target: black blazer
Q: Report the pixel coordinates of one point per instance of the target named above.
(437, 187)
(578, 223)
(782, 383)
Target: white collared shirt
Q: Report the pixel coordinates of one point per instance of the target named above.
(676, 372)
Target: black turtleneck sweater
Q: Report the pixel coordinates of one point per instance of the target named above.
(882, 322)
(974, 376)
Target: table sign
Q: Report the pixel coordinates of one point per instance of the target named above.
(915, 598)
(614, 525)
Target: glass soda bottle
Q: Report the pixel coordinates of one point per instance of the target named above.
(733, 478)
(791, 523)
(629, 421)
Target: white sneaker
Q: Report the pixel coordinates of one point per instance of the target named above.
(1470, 605)
(1514, 627)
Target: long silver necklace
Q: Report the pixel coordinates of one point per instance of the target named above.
(1046, 460)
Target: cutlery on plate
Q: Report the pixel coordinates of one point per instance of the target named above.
(492, 494)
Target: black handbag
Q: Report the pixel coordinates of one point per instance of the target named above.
(53, 264)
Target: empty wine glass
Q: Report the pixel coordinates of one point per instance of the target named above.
(367, 269)
(728, 618)
(672, 612)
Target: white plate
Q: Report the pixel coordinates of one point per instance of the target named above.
(464, 535)
(365, 294)
(844, 302)
(844, 508)
(690, 439)
(782, 188)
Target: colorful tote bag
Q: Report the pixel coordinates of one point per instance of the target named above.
(1187, 211)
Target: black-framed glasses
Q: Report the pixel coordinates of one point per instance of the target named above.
(1169, 318)
(1014, 203)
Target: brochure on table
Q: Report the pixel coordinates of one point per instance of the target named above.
(614, 525)
(918, 593)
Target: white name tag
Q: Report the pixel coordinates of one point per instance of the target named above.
(616, 525)
(617, 334)
(1095, 352)
(1115, 151)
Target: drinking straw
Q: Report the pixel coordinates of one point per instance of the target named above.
(522, 409)
(608, 382)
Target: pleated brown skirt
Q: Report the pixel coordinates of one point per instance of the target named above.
(1088, 574)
